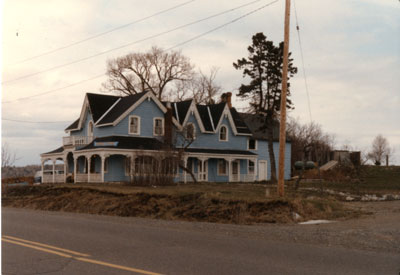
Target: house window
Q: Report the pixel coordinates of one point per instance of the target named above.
(190, 131)
(251, 167)
(134, 125)
(252, 145)
(158, 126)
(223, 133)
(222, 167)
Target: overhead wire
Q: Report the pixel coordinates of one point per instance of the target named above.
(180, 44)
(177, 45)
(132, 43)
(302, 61)
(102, 33)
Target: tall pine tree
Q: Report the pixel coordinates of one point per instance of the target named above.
(264, 68)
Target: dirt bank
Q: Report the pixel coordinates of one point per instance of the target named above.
(190, 207)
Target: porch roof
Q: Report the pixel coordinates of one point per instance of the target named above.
(124, 142)
(58, 150)
(219, 151)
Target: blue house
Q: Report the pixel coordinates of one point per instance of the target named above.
(138, 137)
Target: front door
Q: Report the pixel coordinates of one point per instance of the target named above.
(202, 170)
(262, 170)
(235, 170)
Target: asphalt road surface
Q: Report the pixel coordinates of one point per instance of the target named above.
(39, 242)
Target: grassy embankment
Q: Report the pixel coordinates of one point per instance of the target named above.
(211, 202)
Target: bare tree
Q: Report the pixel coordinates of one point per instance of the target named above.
(155, 70)
(8, 157)
(380, 150)
(202, 88)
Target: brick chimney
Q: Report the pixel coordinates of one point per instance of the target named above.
(229, 99)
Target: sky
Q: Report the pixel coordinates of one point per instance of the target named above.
(351, 51)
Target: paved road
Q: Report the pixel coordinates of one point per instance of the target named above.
(32, 243)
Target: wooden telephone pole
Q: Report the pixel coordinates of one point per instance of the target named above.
(282, 130)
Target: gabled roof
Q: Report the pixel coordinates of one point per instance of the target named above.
(256, 125)
(58, 150)
(73, 126)
(216, 112)
(99, 104)
(205, 117)
(120, 108)
(182, 109)
(241, 126)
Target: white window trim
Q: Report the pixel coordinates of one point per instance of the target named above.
(88, 129)
(248, 167)
(154, 126)
(255, 143)
(226, 168)
(219, 133)
(129, 125)
(194, 130)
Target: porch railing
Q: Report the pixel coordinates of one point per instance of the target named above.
(77, 140)
(58, 178)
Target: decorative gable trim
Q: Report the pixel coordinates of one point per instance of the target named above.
(193, 111)
(227, 113)
(211, 119)
(149, 96)
(82, 117)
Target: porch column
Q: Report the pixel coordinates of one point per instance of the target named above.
(255, 169)
(65, 170)
(89, 159)
(229, 160)
(75, 167)
(103, 159)
(132, 168)
(204, 171)
(54, 170)
(185, 159)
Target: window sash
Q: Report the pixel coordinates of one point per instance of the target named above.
(158, 126)
(222, 167)
(134, 125)
(251, 167)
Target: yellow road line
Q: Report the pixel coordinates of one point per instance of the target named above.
(48, 246)
(38, 248)
(117, 266)
(141, 271)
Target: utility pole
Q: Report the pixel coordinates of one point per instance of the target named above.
(282, 130)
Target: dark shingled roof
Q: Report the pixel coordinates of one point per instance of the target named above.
(183, 108)
(124, 104)
(99, 104)
(205, 117)
(124, 142)
(255, 124)
(216, 112)
(220, 152)
(73, 126)
(241, 126)
(58, 150)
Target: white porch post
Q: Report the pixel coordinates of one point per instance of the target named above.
(65, 171)
(89, 159)
(229, 160)
(185, 159)
(54, 170)
(75, 168)
(132, 168)
(255, 169)
(103, 159)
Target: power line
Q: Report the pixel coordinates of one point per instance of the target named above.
(56, 90)
(302, 61)
(132, 43)
(223, 25)
(103, 33)
(34, 122)
(177, 45)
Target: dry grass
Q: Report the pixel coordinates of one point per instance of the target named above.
(223, 203)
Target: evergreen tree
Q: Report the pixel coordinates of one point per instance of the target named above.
(264, 68)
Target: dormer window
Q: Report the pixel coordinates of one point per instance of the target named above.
(134, 125)
(158, 125)
(190, 131)
(223, 133)
(252, 144)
